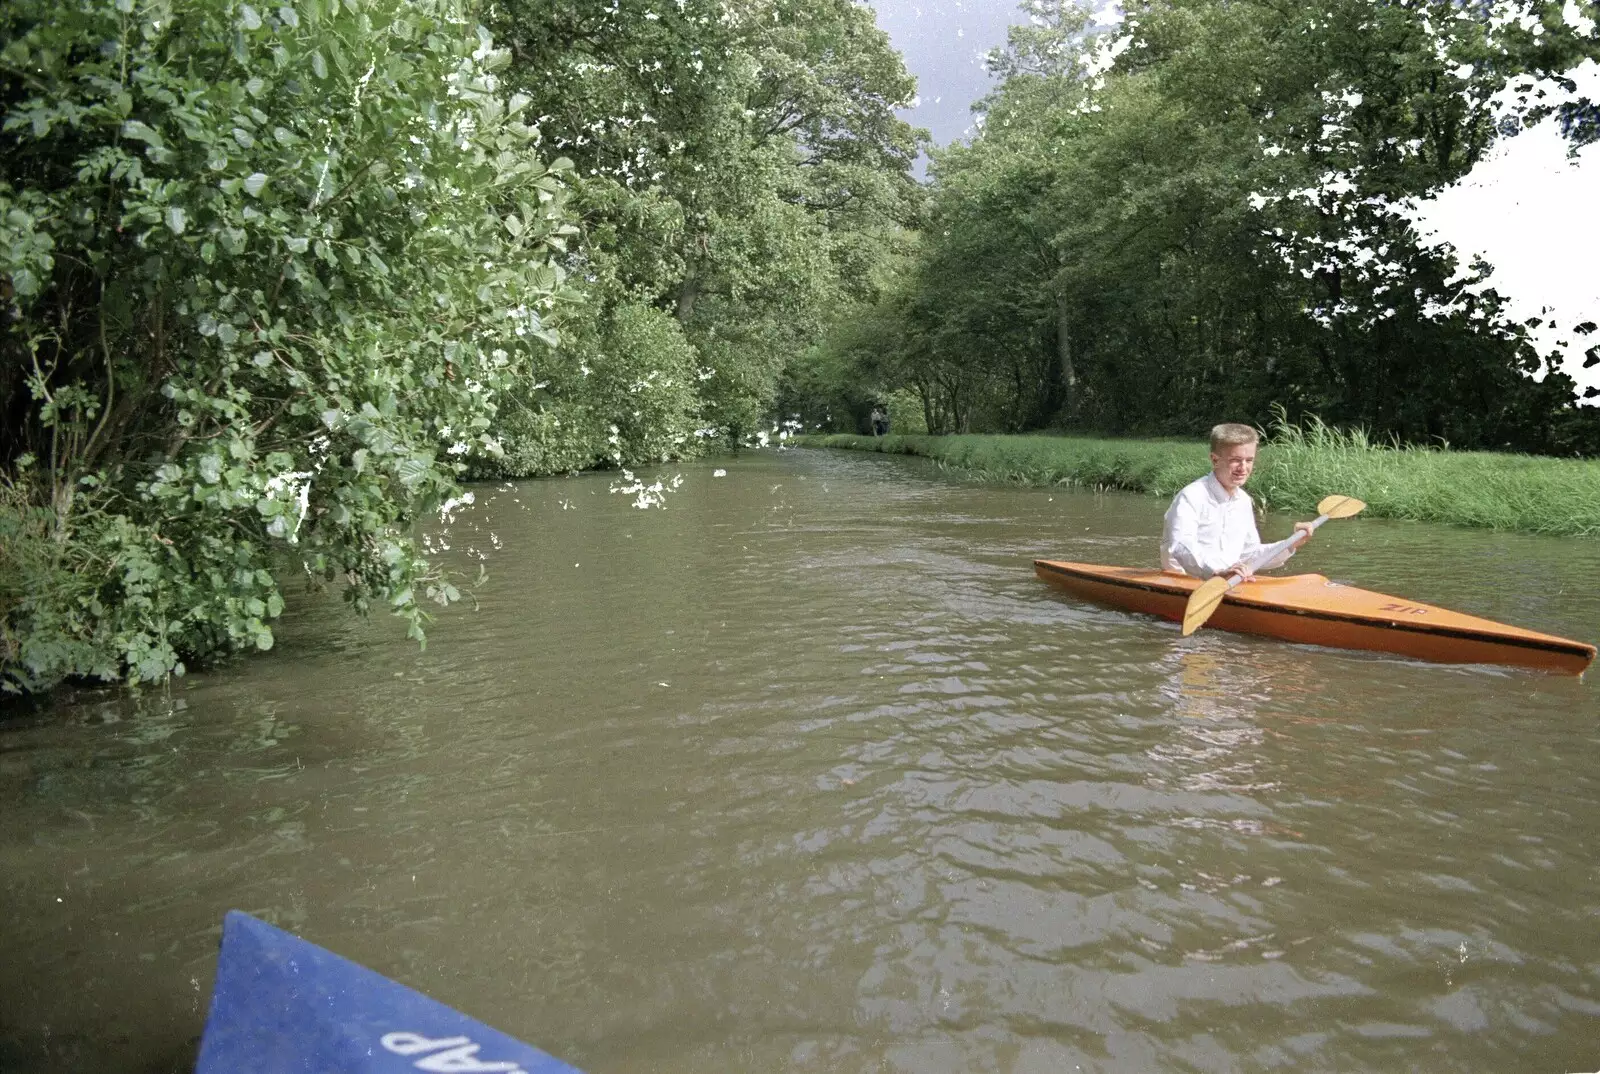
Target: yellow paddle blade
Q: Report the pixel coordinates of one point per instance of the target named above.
(1341, 507)
(1202, 602)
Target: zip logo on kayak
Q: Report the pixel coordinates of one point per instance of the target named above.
(450, 1055)
(1403, 609)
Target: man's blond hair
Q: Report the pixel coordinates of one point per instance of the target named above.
(1232, 434)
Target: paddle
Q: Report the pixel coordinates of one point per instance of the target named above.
(1204, 601)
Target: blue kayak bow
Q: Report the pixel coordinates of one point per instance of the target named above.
(283, 1005)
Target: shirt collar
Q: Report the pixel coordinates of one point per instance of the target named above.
(1215, 490)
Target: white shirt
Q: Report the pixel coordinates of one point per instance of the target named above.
(1206, 530)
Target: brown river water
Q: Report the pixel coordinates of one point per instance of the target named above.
(808, 772)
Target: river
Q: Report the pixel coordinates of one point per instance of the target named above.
(808, 772)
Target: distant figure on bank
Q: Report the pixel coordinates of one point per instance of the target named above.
(880, 421)
(1210, 528)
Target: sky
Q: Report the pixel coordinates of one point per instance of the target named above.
(1529, 209)
(943, 42)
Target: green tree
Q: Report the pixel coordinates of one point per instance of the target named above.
(1204, 227)
(266, 274)
(740, 166)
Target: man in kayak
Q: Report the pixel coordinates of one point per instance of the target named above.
(1210, 528)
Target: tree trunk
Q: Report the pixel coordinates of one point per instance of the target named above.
(929, 422)
(688, 290)
(1069, 372)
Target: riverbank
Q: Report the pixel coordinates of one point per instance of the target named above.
(1524, 493)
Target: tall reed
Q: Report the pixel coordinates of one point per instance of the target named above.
(1298, 466)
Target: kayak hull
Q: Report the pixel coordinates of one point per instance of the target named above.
(283, 1005)
(1309, 609)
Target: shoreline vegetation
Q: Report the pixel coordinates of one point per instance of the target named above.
(1521, 493)
(235, 353)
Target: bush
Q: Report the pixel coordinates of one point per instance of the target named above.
(906, 414)
(622, 391)
(267, 273)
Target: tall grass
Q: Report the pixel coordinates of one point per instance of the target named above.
(1297, 467)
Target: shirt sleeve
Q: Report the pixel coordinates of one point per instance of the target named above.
(1252, 535)
(1271, 555)
(1279, 555)
(1180, 541)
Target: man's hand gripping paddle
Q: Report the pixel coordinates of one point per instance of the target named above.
(1205, 600)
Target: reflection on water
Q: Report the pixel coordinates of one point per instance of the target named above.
(1216, 735)
(808, 772)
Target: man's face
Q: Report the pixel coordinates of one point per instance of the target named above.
(1233, 464)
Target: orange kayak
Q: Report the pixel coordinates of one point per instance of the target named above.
(1310, 609)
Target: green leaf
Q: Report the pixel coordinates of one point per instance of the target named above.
(412, 469)
(262, 337)
(141, 131)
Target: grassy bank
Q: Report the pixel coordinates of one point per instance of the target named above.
(1556, 497)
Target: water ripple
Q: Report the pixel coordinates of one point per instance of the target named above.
(808, 772)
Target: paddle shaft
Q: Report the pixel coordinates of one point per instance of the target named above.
(1205, 599)
(1271, 550)
(1267, 554)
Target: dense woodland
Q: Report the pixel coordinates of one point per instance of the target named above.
(1145, 249)
(277, 280)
